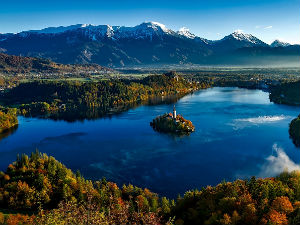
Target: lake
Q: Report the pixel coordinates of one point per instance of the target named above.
(239, 133)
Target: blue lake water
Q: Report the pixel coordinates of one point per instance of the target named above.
(239, 133)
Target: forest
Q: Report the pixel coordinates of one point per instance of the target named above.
(294, 130)
(40, 190)
(8, 118)
(37, 189)
(55, 98)
(286, 93)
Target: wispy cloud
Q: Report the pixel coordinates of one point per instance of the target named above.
(268, 27)
(263, 27)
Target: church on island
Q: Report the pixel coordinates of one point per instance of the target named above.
(173, 115)
(172, 123)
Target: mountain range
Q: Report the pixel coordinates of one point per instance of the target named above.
(149, 43)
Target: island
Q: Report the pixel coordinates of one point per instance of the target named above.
(8, 119)
(172, 123)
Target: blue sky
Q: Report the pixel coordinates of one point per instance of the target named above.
(211, 19)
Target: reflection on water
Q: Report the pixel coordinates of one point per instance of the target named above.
(236, 130)
(8, 132)
(277, 162)
(84, 113)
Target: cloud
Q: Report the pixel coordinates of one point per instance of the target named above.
(268, 27)
(239, 31)
(262, 27)
(276, 164)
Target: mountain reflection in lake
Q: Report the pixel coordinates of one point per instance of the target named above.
(236, 131)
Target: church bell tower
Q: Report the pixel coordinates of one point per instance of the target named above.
(174, 112)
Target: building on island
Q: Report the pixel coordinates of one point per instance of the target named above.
(174, 112)
(172, 123)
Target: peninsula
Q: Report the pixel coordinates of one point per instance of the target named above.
(8, 118)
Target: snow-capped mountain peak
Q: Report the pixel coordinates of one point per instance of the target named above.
(278, 43)
(146, 43)
(153, 25)
(238, 31)
(96, 32)
(241, 36)
(186, 32)
(156, 24)
(143, 30)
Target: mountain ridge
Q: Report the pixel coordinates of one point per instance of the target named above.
(184, 31)
(146, 43)
(278, 43)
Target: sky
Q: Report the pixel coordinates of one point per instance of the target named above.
(211, 19)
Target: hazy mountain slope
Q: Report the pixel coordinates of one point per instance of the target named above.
(19, 64)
